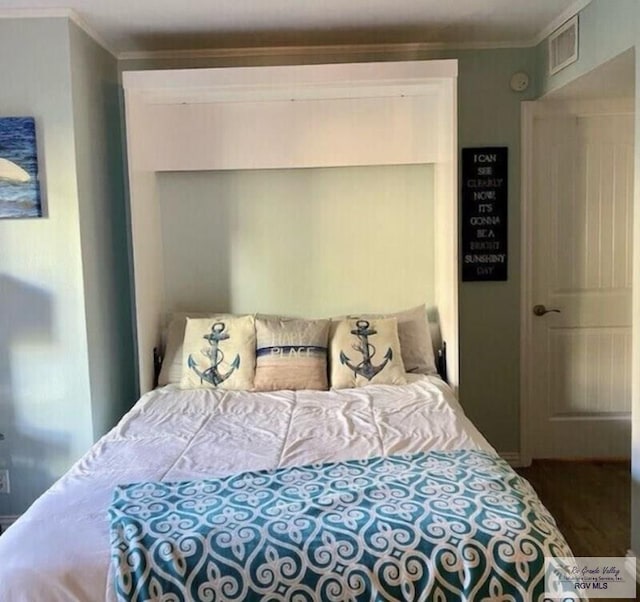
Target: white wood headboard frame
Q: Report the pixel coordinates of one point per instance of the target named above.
(282, 117)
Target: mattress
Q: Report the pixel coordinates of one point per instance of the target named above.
(60, 548)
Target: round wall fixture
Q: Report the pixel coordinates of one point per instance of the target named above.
(519, 81)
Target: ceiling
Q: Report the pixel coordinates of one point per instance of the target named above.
(130, 27)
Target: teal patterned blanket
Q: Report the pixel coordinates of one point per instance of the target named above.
(459, 525)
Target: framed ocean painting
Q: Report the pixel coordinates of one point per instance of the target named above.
(19, 184)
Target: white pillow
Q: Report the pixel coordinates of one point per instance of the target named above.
(171, 370)
(415, 340)
(219, 352)
(365, 351)
(416, 344)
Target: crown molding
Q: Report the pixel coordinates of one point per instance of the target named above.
(92, 33)
(410, 48)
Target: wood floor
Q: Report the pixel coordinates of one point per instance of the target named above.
(590, 502)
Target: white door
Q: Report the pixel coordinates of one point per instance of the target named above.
(578, 369)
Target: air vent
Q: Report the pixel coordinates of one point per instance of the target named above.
(563, 46)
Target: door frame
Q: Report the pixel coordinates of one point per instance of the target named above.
(529, 111)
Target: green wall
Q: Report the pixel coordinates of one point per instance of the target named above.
(489, 114)
(606, 29)
(351, 248)
(56, 351)
(44, 412)
(103, 228)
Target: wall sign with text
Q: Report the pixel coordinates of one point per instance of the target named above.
(484, 213)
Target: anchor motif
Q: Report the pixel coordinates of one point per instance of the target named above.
(216, 356)
(365, 367)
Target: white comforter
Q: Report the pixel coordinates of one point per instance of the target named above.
(59, 549)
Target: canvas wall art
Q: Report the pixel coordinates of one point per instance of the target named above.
(19, 185)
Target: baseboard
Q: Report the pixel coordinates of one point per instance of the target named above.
(6, 521)
(632, 554)
(513, 458)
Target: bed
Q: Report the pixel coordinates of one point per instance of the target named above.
(60, 550)
(243, 476)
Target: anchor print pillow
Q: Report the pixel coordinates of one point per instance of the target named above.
(291, 354)
(219, 352)
(365, 351)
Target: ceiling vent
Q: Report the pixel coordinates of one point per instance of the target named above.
(563, 46)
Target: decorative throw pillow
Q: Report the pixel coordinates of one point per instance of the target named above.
(291, 354)
(415, 339)
(365, 351)
(171, 370)
(219, 352)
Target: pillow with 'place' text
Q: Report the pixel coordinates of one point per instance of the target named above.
(291, 354)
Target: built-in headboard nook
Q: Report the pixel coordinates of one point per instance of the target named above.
(313, 190)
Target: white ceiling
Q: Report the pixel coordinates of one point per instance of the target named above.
(128, 27)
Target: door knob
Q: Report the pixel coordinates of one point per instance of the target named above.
(540, 310)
